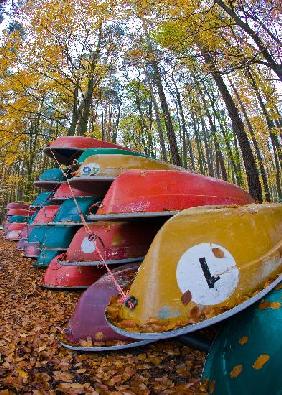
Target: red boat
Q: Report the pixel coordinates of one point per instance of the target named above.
(46, 214)
(17, 205)
(58, 276)
(14, 231)
(66, 192)
(67, 148)
(152, 193)
(117, 242)
(25, 212)
(88, 320)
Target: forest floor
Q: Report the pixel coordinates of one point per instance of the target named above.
(33, 362)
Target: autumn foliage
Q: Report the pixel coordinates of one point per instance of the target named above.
(195, 83)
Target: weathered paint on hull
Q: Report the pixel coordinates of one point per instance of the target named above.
(16, 219)
(20, 205)
(54, 174)
(32, 249)
(14, 231)
(41, 200)
(58, 276)
(64, 192)
(88, 320)
(37, 233)
(115, 241)
(45, 257)
(46, 214)
(66, 149)
(20, 211)
(203, 263)
(97, 172)
(57, 237)
(68, 211)
(162, 191)
(22, 242)
(50, 179)
(246, 356)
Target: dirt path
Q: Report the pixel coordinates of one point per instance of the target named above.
(32, 361)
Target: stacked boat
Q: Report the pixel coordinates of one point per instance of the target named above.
(18, 214)
(163, 251)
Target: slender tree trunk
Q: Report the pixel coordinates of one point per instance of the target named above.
(274, 139)
(201, 158)
(207, 148)
(185, 134)
(164, 105)
(219, 155)
(277, 68)
(239, 130)
(255, 143)
(235, 166)
(88, 95)
(74, 119)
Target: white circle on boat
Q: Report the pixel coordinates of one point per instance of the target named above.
(88, 246)
(209, 272)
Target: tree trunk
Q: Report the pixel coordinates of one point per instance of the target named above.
(235, 166)
(274, 140)
(185, 134)
(255, 143)
(166, 113)
(88, 95)
(277, 68)
(239, 130)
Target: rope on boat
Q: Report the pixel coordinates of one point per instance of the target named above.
(94, 237)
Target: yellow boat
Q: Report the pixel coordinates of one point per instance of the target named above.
(97, 172)
(204, 265)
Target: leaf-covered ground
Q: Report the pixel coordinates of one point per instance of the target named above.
(33, 362)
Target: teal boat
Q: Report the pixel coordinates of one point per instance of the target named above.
(50, 179)
(70, 211)
(56, 240)
(17, 219)
(106, 151)
(245, 358)
(42, 199)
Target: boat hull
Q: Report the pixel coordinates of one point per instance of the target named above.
(66, 149)
(20, 211)
(203, 266)
(112, 241)
(161, 191)
(47, 185)
(97, 172)
(19, 205)
(46, 214)
(58, 276)
(69, 212)
(41, 200)
(88, 320)
(65, 192)
(246, 355)
(14, 231)
(105, 151)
